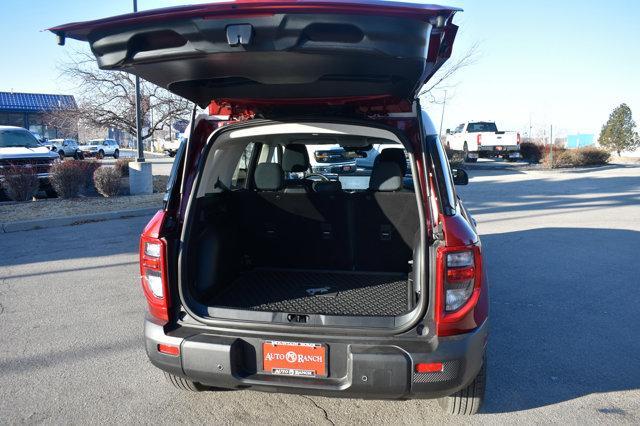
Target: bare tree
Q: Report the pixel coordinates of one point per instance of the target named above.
(107, 98)
(65, 120)
(442, 80)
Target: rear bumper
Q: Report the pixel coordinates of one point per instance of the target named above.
(382, 369)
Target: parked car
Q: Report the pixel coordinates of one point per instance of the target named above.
(254, 280)
(64, 147)
(482, 139)
(101, 148)
(331, 158)
(367, 161)
(171, 147)
(19, 147)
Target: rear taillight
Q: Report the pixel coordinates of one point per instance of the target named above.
(459, 282)
(153, 268)
(479, 139)
(518, 138)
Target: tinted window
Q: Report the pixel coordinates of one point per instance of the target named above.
(17, 138)
(481, 127)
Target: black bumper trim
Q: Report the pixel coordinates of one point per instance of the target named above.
(379, 370)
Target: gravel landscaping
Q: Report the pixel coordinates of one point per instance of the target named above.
(57, 207)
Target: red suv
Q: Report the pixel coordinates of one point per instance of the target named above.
(261, 273)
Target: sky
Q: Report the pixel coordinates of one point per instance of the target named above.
(541, 63)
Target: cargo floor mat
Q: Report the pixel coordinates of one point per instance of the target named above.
(318, 292)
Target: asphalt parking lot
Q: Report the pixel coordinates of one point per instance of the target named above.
(562, 255)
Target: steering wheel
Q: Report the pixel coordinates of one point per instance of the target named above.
(322, 177)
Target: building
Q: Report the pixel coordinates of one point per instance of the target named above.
(579, 141)
(29, 110)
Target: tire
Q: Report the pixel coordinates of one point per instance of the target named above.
(467, 401)
(100, 155)
(51, 193)
(61, 154)
(184, 384)
(116, 154)
(172, 154)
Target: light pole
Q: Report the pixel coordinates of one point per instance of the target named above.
(140, 158)
(140, 173)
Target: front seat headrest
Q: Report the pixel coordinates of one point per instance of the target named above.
(385, 176)
(269, 177)
(295, 158)
(394, 154)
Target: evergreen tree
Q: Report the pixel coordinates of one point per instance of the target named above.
(619, 133)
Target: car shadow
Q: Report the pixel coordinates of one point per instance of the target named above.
(564, 315)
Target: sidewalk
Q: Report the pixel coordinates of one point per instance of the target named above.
(48, 213)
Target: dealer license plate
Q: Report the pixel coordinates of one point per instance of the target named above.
(294, 359)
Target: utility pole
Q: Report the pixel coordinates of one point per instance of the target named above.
(444, 103)
(140, 158)
(140, 174)
(551, 146)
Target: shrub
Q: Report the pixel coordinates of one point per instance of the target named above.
(531, 152)
(160, 183)
(68, 178)
(107, 181)
(88, 168)
(20, 183)
(456, 158)
(589, 156)
(122, 166)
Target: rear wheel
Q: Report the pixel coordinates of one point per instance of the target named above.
(116, 154)
(100, 155)
(61, 154)
(185, 384)
(469, 400)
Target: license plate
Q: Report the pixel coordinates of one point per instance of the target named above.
(346, 168)
(294, 359)
(498, 148)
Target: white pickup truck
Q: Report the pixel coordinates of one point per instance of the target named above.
(482, 139)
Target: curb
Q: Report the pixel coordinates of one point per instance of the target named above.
(56, 222)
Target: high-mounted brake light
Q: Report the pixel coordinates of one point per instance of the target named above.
(479, 139)
(153, 268)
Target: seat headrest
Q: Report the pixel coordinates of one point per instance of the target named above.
(396, 155)
(269, 177)
(385, 176)
(327, 186)
(295, 158)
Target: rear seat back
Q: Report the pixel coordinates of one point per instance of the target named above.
(330, 229)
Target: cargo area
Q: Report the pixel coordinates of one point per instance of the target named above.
(319, 292)
(272, 237)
